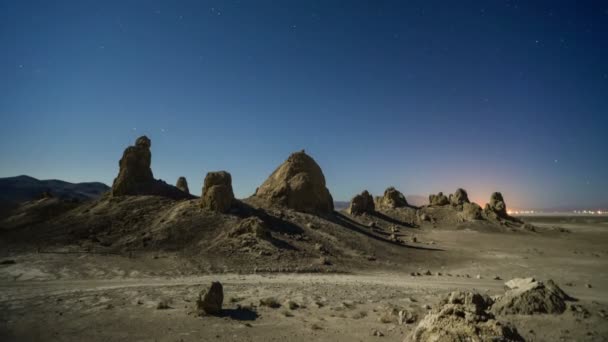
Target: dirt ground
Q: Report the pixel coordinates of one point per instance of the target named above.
(55, 296)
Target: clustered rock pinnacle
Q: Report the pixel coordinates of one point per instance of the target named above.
(135, 174)
(361, 204)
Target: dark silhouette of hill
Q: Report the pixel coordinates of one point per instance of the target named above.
(25, 188)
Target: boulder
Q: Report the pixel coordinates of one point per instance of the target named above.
(182, 184)
(362, 203)
(459, 197)
(392, 198)
(528, 296)
(135, 175)
(438, 200)
(217, 192)
(210, 301)
(463, 316)
(298, 184)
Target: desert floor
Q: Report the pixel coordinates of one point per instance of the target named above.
(87, 297)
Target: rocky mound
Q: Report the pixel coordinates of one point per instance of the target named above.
(253, 226)
(528, 296)
(463, 316)
(459, 197)
(392, 198)
(182, 184)
(362, 203)
(217, 192)
(438, 200)
(298, 184)
(135, 175)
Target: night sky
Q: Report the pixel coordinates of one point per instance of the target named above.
(427, 96)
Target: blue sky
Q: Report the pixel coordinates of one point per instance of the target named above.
(424, 95)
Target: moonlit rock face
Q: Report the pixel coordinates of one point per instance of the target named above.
(217, 192)
(459, 197)
(392, 198)
(298, 184)
(134, 169)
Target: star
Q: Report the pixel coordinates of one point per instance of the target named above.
(555, 161)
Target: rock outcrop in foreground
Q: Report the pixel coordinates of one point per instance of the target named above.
(362, 203)
(298, 184)
(182, 184)
(392, 198)
(528, 296)
(463, 316)
(135, 175)
(217, 192)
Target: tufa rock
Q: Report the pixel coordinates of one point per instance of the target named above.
(463, 316)
(362, 203)
(182, 184)
(217, 192)
(438, 200)
(392, 198)
(471, 211)
(210, 301)
(528, 296)
(251, 225)
(459, 197)
(135, 175)
(298, 184)
(497, 205)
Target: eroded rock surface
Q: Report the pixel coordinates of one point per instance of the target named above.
(217, 192)
(362, 203)
(298, 184)
(210, 300)
(463, 316)
(392, 198)
(438, 200)
(182, 184)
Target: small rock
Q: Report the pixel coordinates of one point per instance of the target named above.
(588, 286)
(163, 305)
(210, 301)
(497, 278)
(428, 273)
(377, 333)
(478, 276)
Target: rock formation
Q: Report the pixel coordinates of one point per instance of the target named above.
(252, 225)
(298, 184)
(182, 184)
(135, 175)
(392, 198)
(459, 197)
(463, 316)
(362, 203)
(497, 205)
(528, 296)
(217, 192)
(210, 301)
(438, 200)
(471, 211)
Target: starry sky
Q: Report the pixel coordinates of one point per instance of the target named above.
(427, 96)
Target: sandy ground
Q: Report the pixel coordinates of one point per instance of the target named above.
(73, 297)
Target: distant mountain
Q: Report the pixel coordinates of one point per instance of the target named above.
(25, 188)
